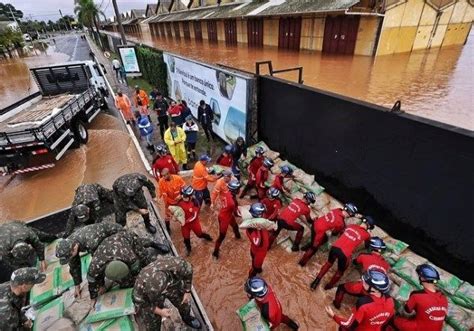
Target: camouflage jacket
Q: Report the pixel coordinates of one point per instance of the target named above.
(165, 275)
(123, 246)
(124, 181)
(89, 238)
(11, 317)
(93, 196)
(13, 232)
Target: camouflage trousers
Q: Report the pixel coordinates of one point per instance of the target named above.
(121, 210)
(152, 322)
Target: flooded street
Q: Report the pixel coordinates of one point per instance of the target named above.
(436, 84)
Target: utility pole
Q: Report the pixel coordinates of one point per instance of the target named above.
(61, 13)
(119, 22)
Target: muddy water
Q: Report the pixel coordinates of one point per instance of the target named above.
(109, 154)
(436, 83)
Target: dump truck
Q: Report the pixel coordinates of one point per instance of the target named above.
(36, 132)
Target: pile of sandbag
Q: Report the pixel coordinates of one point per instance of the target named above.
(251, 318)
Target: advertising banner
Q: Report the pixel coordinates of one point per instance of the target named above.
(129, 59)
(223, 90)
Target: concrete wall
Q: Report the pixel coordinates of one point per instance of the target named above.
(367, 35)
(415, 25)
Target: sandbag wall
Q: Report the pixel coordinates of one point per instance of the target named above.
(402, 260)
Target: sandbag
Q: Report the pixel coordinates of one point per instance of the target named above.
(62, 324)
(48, 314)
(217, 169)
(353, 220)
(258, 223)
(245, 212)
(178, 214)
(302, 177)
(46, 290)
(402, 292)
(50, 252)
(272, 154)
(291, 186)
(251, 318)
(112, 304)
(459, 318)
(413, 258)
(378, 232)
(448, 282)
(406, 270)
(314, 187)
(322, 200)
(391, 258)
(123, 323)
(78, 311)
(395, 246)
(464, 296)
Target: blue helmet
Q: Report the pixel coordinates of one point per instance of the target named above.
(427, 273)
(286, 170)
(377, 280)
(205, 157)
(187, 191)
(310, 196)
(257, 209)
(233, 185)
(259, 150)
(350, 208)
(228, 149)
(273, 192)
(268, 163)
(369, 221)
(161, 149)
(377, 244)
(256, 287)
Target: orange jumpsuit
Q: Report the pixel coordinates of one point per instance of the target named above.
(219, 190)
(142, 102)
(170, 191)
(200, 179)
(123, 104)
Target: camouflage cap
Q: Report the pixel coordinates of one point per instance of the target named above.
(63, 250)
(27, 276)
(81, 211)
(133, 187)
(22, 250)
(116, 270)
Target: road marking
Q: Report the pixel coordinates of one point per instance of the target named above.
(73, 56)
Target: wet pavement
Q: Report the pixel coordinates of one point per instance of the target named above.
(436, 83)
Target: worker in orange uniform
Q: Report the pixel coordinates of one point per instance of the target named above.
(122, 102)
(227, 214)
(201, 177)
(221, 187)
(262, 176)
(169, 189)
(142, 101)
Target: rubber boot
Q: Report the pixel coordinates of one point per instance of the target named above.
(187, 243)
(216, 254)
(192, 322)
(333, 280)
(150, 228)
(315, 283)
(236, 232)
(168, 226)
(295, 247)
(194, 156)
(206, 237)
(161, 248)
(307, 255)
(339, 296)
(292, 325)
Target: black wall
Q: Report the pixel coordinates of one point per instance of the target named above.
(415, 176)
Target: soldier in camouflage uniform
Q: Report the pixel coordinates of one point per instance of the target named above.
(13, 296)
(123, 250)
(128, 195)
(87, 205)
(19, 243)
(167, 277)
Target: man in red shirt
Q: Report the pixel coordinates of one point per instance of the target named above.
(373, 311)
(164, 160)
(225, 159)
(430, 305)
(252, 169)
(268, 303)
(286, 172)
(262, 176)
(192, 223)
(288, 216)
(366, 261)
(342, 250)
(272, 204)
(333, 221)
(227, 213)
(259, 241)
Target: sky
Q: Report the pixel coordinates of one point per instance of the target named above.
(49, 9)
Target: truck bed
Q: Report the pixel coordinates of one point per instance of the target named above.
(36, 114)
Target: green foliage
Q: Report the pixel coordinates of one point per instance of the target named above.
(86, 11)
(9, 38)
(153, 67)
(7, 9)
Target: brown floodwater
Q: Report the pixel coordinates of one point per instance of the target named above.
(436, 83)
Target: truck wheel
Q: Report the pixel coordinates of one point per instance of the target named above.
(80, 132)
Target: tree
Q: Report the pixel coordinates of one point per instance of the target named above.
(87, 12)
(9, 38)
(6, 10)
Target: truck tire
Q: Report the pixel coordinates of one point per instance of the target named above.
(80, 132)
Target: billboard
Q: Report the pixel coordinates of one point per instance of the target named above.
(129, 60)
(225, 91)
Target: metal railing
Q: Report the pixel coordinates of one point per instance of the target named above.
(273, 72)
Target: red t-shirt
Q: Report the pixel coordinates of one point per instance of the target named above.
(228, 206)
(431, 309)
(372, 261)
(278, 182)
(164, 162)
(295, 209)
(272, 208)
(191, 210)
(353, 236)
(370, 314)
(261, 177)
(332, 221)
(259, 239)
(224, 160)
(270, 308)
(254, 165)
(175, 111)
